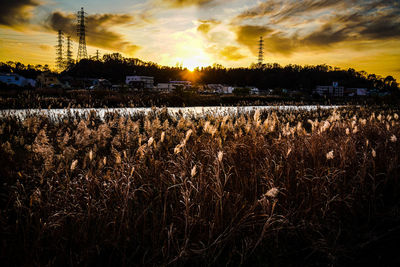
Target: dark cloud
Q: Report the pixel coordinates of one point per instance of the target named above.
(14, 13)
(98, 29)
(281, 10)
(375, 21)
(326, 35)
(249, 34)
(382, 27)
(274, 41)
(340, 21)
(262, 9)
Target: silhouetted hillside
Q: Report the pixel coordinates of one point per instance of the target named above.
(115, 68)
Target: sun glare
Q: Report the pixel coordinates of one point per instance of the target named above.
(190, 64)
(191, 59)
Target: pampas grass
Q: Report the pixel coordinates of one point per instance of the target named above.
(271, 187)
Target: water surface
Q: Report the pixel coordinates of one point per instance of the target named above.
(185, 111)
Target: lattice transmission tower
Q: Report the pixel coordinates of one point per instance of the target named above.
(59, 51)
(80, 30)
(260, 51)
(69, 51)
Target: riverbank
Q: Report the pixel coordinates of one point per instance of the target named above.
(58, 98)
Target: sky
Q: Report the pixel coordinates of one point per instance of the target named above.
(359, 34)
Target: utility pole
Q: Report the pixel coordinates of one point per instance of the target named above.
(260, 51)
(69, 51)
(80, 30)
(97, 55)
(59, 51)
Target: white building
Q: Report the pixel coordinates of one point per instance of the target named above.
(140, 82)
(167, 87)
(332, 90)
(358, 91)
(254, 91)
(228, 89)
(185, 84)
(172, 85)
(219, 88)
(16, 79)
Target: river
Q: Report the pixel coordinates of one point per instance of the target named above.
(186, 111)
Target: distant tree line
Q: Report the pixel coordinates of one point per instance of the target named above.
(115, 68)
(27, 71)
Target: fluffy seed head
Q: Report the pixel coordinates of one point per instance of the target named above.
(272, 193)
(194, 171)
(150, 141)
(73, 165)
(220, 156)
(162, 137)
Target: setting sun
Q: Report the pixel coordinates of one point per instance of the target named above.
(191, 64)
(191, 54)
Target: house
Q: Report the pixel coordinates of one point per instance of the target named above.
(219, 88)
(140, 82)
(254, 91)
(101, 84)
(357, 91)
(227, 89)
(172, 85)
(47, 79)
(330, 90)
(213, 88)
(166, 87)
(184, 84)
(16, 79)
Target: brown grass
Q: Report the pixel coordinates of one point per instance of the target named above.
(299, 187)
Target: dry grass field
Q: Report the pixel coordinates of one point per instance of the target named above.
(272, 188)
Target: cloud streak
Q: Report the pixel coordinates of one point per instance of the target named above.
(282, 10)
(185, 3)
(349, 21)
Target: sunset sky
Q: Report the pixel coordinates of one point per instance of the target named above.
(364, 35)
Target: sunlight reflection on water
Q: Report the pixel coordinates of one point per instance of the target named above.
(185, 111)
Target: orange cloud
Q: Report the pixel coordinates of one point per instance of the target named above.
(231, 53)
(45, 47)
(186, 3)
(207, 25)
